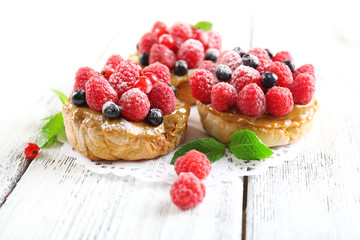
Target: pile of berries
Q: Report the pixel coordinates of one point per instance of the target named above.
(179, 47)
(188, 191)
(256, 82)
(124, 89)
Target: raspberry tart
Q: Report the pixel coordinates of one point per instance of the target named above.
(182, 48)
(124, 112)
(257, 91)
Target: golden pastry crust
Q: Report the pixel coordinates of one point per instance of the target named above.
(272, 131)
(97, 137)
(180, 82)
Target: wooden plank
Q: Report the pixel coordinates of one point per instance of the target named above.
(315, 196)
(57, 199)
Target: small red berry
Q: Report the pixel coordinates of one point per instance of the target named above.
(160, 70)
(162, 54)
(188, 191)
(223, 96)
(144, 84)
(195, 162)
(82, 76)
(134, 105)
(159, 28)
(251, 100)
(167, 40)
(162, 97)
(153, 78)
(111, 64)
(279, 101)
(303, 88)
(214, 40)
(146, 42)
(208, 65)
(201, 82)
(31, 150)
(307, 68)
(192, 51)
(285, 76)
(181, 30)
(282, 56)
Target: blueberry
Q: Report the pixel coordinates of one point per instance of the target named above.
(269, 80)
(269, 52)
(239, 51)
(290, 64)
(154, 117)
(223, 72)
(250, 60)
(111, 110)
(212, 54)
(181, 68)
(173, 88)
(78, 98)
(144, 59)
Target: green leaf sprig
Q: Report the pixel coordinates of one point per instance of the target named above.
(244, 144)
(203, 25)
(53, 127)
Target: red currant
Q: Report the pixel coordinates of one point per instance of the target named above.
(160, 31)
(167, 40)
(153, 78)
(144, 84)
(139, 69)
(31, 150)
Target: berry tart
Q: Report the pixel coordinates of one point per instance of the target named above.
(181, 48)
(125, 112)
(259, 91)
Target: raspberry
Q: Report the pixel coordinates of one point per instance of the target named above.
(264, 59)
(201, 82)
(181, 30)
(307, 68)
(201, 36)
(162, 97)
(251, 100)
(134, 105)
(146, 42)
(303, 88)
(82, 76)
(158, 25)
(98, 92)
(125, 78)
(231, 59)
(279, 101)
(285, 77)
(159, 28)
(192, 51)
(167, 40)
(214, 40)
(188, 191)
(161, 71)
(223, 96)
(208, 65)
(160, 53)
(195, 162)
(243, 76)
(144, 84)
(31, 150)
(129, 66)
(111, 64)
(222, 53)
(282, 56)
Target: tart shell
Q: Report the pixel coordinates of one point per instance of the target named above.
(272, 131)
(97, 137)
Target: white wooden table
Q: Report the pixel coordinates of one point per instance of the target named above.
(315, 196)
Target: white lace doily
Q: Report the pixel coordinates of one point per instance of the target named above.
(160, 170)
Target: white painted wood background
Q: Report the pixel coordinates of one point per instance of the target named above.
(316, 196)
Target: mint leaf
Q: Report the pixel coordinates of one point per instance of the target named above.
(62, 96)
(205, 26)
(51, 130)
(213, 149)
(244, 144)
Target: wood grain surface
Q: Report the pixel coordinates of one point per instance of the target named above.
(315, 196)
